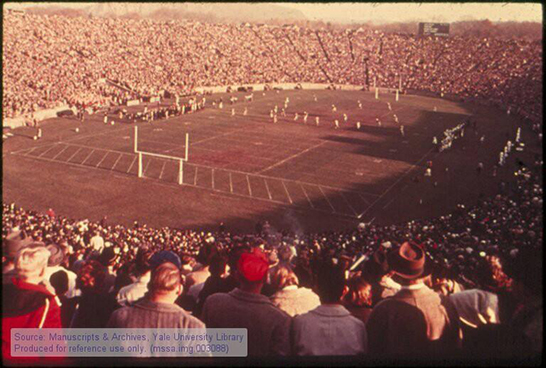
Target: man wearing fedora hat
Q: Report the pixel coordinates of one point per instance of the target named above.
(416, 321)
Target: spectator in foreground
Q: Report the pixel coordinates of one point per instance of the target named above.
(13, 243)
(133, 292)
(157, 309)
(358, 299)
(289, 297)
(525, 337)
(268, 327)
(416, 321)
(329, 329)
(26, 302)
(92, 282)
(54, 265)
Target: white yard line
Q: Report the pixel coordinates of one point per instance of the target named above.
(292, 157)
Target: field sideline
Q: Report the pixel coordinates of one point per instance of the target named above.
(243, 169)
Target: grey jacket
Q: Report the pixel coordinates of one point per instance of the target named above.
(268, 327)
(147, 314)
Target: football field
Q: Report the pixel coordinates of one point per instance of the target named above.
(243, 167)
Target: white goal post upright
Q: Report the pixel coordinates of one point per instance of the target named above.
(181, 160)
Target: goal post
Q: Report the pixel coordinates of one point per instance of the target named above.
(180, 160)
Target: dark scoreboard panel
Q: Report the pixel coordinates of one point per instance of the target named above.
(434, 29)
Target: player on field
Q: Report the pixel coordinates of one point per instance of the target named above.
(396, 118)
(305, 116)
(359, 105)
(296, 116)
(317, 120)
(275, 118)
(283, 112)
(271, 113)
(245, 111)
(378, 122)
(315, 98)
(232, 112)
(345, 118)
(105, 120)
(336, 123)
(358, 125)
(334, 108)
(389, 106)
(402, 131)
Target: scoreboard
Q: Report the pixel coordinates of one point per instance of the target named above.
(434, 29)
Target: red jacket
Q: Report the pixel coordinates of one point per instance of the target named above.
(26, 305)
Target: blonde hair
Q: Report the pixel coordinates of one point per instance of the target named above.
(283, 276)
(31, 261)
(165, 279)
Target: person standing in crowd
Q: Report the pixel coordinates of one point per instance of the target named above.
(157, 309)
(91, 282)
(27, 300)
(525, 333)
(131, 293)
(97, 241)
(329, 329)
(268, 327)
(358, 299)
(416, 321)
(288, 296)
(14, 242)
(55, 264)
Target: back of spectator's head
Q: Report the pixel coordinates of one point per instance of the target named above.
(330, 283)
(14, 242)
(59, 281)
(218, 265)
(252, 267)
(57, 255)
(108, 256)
(283, 276)
(142, 261)
(525, 267)
(31, 261)
(206, 253)
(235, 254)
(91, 277)
(166, 279)
(164, 256)
(359, 292)
(285, 254)
(372, 271)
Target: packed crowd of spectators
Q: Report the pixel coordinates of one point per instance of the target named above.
(286, 288)
(52, 60)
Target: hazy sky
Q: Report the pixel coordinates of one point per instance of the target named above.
(399, 12)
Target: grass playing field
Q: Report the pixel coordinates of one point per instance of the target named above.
(245, 168)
